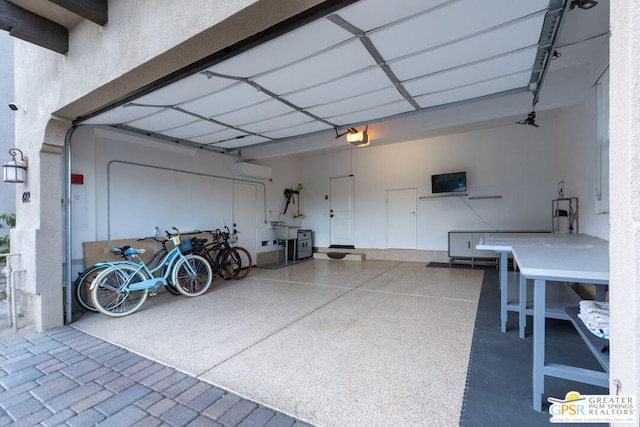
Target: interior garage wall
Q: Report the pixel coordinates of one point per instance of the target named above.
(519, 163)
(577, 163)
(142, 197)
(132, 184)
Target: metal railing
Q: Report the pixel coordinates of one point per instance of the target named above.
(9, 273)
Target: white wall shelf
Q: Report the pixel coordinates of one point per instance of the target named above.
(485, 197)
(437, 196)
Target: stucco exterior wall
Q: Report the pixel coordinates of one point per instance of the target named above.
(7, 117)
(142, 42)
(625, 196)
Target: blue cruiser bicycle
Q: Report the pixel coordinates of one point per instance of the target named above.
(122, 288)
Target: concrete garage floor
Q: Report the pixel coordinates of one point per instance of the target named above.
(330, 342)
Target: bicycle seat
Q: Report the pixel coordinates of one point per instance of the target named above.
(134, 251)
(118, 251)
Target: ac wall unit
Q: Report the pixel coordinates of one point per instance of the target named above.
(252, 170)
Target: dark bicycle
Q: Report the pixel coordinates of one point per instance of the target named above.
(227, 260)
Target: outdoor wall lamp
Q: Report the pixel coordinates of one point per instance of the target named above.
(15, 170)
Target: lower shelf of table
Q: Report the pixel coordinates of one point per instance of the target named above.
(558, 295)
(598, 346)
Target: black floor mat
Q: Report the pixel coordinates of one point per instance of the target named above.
(499, 384)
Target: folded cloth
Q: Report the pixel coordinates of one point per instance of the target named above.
(599, 307)
(595, 316)
(599, 330)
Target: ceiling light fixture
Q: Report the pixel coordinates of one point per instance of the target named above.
(356, 137)
(583, 4)
(530, 120)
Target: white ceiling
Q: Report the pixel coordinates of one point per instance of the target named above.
(373, 60)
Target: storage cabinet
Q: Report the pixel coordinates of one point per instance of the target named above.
(462, 246)
(305, 245)
(300, 247)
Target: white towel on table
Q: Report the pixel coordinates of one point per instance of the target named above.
(595, 316)
(598, 307)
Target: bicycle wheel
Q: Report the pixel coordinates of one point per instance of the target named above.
(108, 294)
(172, 289)
(196, 283)
(219, 265)
(237, 263)
(155, 260)
(81, 286)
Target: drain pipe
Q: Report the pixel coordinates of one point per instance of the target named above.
(67, 200)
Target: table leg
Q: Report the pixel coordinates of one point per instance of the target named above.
(601, 292)
(286, 248)
(539, 288)
(504, 289)
(522, 301)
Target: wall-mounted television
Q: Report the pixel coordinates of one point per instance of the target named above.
(449, 182)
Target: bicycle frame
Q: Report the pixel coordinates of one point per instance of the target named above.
(167, 261)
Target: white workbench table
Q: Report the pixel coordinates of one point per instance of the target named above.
(559, 295)
(583, 259)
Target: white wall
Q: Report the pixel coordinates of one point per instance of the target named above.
(624, 250)
(111, 162)
(97, 151)
(577, 164)
(516, 162)
(521, 164)
(7, 121)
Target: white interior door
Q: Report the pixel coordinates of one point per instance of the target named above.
(401, 219)
(341, 214)
(245, 216)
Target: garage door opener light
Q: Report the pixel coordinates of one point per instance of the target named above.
(358, 138)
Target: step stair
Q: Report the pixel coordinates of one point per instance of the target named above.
(339, 255)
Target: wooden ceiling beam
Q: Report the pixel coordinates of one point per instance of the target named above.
(33, 28)
(93, 10)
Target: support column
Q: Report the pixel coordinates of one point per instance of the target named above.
(38, 235)
(624, 252)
